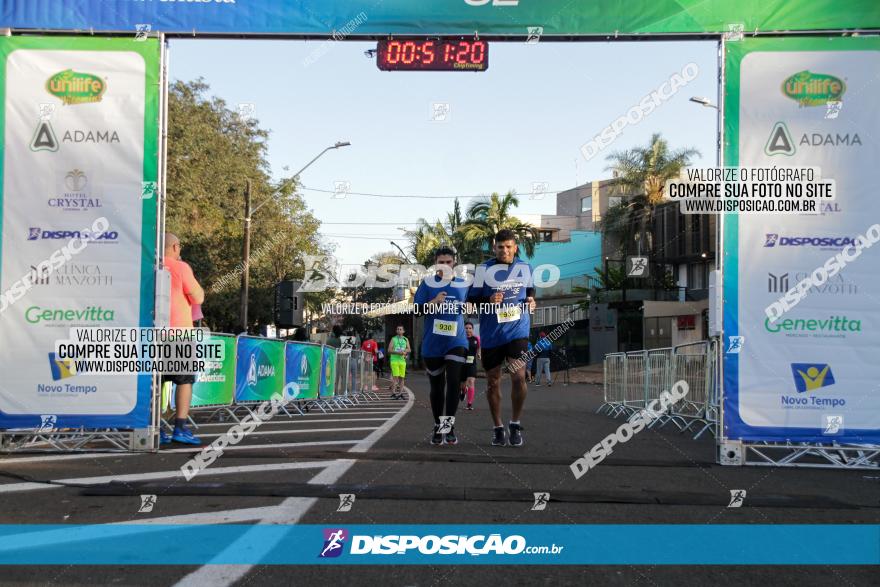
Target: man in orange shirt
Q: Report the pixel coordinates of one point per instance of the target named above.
(185, 292)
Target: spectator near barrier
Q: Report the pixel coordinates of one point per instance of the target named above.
(544, 347)
(371, 346)
(185, 292)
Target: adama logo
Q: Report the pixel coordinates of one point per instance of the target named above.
(72, 87)
(813, 89)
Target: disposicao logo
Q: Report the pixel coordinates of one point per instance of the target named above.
(334, 542)
(72, 87)
(811, 376)
(813, 89)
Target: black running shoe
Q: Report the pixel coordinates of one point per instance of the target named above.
(499, 438)
(516, 437)
(436, 437)
(450, 436)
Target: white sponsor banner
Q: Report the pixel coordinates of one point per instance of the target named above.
(73, 152)
(820, 357)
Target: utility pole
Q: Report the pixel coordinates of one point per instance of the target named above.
(246, 258)
(246, 246)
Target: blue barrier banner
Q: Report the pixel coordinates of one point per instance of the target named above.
(650, 544)
(259, 369)
(303, 368)
(432, 17)
(328, 372)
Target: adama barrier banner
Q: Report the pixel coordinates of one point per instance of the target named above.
(80, 127)
(342, 18)
(303, 367)
(259, 369)
(811, 373)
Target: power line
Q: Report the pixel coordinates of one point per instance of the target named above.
(421, 197)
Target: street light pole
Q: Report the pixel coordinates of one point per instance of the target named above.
(246, 246)
(246, 258)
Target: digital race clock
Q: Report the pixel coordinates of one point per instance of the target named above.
(432, 55)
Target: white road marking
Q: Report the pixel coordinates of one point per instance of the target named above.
(305, 431)
(290, 511)
(294, 421)
(270, 445)
(18, 487)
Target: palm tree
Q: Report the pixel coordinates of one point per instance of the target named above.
(642, 172)
(487, 216)
(426, 238)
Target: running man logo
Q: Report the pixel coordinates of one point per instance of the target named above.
(780, 141)
(737, 497)
(811, 376)
(148, 190)
(47, 423)
(346, 501)
(147, 504)
(534, 35)
(832, 425)
(334, 541)
(541, 500)
(736, 344)
(44, 138)
(318, 277)
(61, 368)
(446, 424)
(638, 267)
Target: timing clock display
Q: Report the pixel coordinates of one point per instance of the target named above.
(432, 55)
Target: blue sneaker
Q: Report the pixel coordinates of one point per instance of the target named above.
(185, 436)
(163, 437)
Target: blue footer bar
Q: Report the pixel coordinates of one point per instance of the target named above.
(662, 544)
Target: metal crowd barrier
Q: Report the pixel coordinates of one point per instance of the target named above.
(634, 379)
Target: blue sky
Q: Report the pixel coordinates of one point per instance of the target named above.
(522, 121)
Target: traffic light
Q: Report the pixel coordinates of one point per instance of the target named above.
(288, 304)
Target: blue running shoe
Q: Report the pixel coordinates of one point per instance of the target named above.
(163, 437)
(185, 436)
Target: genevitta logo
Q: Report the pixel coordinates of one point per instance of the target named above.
(37, 233)
(822, 242)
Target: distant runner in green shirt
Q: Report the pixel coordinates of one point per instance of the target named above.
(398, 350)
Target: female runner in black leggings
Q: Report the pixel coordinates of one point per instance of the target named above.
(444, 346)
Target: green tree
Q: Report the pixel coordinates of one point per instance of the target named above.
(487, 216)
(212, 151)
(641, 175)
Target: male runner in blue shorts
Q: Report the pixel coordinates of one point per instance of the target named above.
(505, 282)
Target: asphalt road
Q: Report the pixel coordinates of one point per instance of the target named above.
(290, 470)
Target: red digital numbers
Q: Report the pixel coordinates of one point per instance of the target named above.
(432, 55)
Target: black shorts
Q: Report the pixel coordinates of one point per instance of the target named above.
(469, 370)
(515, 349)
(435, 365)
(180, 379)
